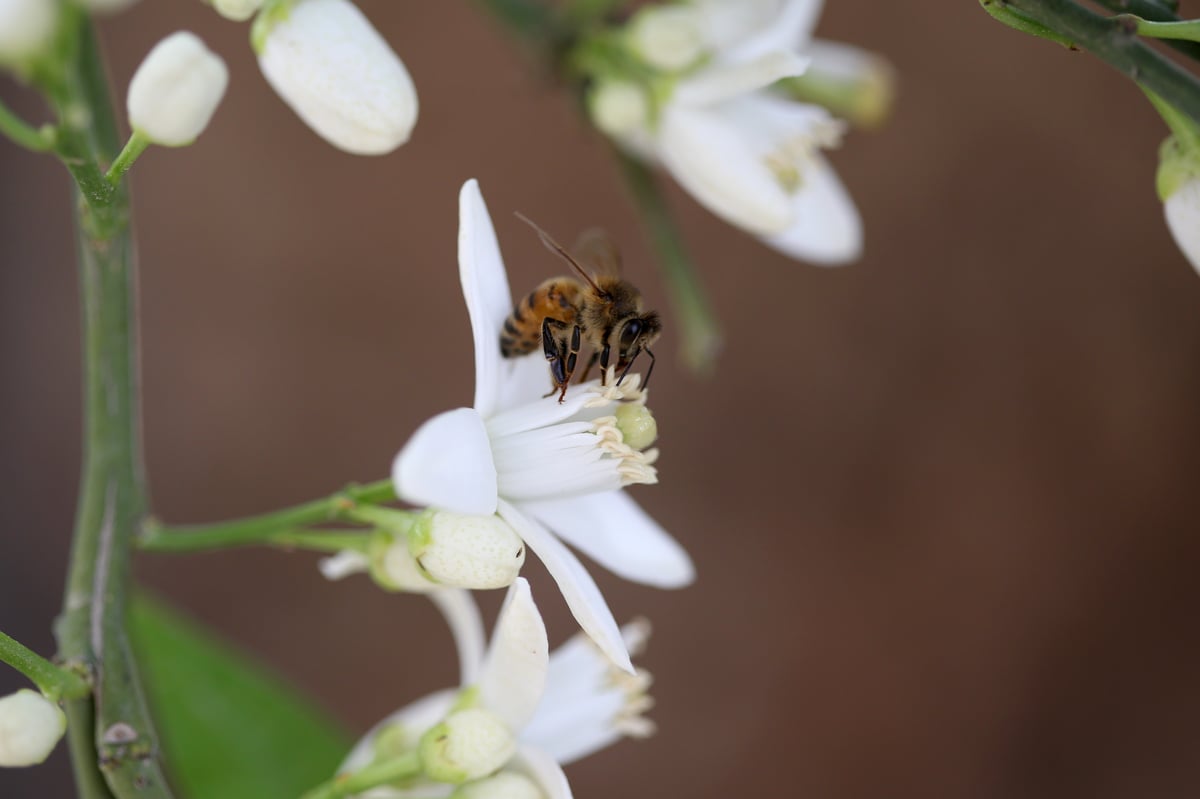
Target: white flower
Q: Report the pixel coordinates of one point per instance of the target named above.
(557, 707)
(541, 464)
(338, 74)
(237, 10)
(26, 27)
(1182, 210)
(175, 90)
(750, 156)
(30, 727)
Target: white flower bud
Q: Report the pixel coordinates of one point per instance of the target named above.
(26, 28)
(106, 6)
(637, 425)
(1179, 188)
(237, 10)
(338, 74)
(667, 37)
(468, 745)
(466, 550)
(176, 89)
(618, 107)
(505, 785)
(30, 726)
(393, 567)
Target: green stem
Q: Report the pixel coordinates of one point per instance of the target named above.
(1158, 12)
(701, 335)
(136, 145)
(159, 539)
(259, 529)
(372, 776)
(91, 629)
(1116, 43)
(24, 134)
(53, 681)
(1189, 29)
(1181, 126)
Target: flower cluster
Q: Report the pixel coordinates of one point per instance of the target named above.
(707, 89)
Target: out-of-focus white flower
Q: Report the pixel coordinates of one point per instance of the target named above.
(26, 28)
(748, 154)
(106, 6)
(176, 89)
(619, 107)
(1178, 182)
(557, 707)
(237, 10)
(30, 727)
(541, 464)
(667, 37)
(337, 73)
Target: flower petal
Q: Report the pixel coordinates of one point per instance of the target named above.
(612, 530)
(462, 615)
(513, 677)
(448, 464)
(543, 770)
(485, 288)
(715, 164)
(578, 588)
(722, 82)
(841, 60)
(1182, 211)
(790, 30)
(827, 229)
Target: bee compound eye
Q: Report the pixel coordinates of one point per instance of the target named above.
(630, 333)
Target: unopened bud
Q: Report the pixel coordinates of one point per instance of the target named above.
(237, 10)
(505, 785)
(176, 89)
(337, 73)
(30, 727)
(466, 550)
(637, 425)
(26, 29)
(468, 745)
(853, 84)
(391, 564)
(618, 107)
(1179, 188)
(666, 37)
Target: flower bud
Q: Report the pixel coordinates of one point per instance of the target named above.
(1179, 189)
(466, 550)
(26, 29)
(505, 785)
(853, 84)
(338, 74)
(237, 10)
(392, 566)
(106, 6)
(176, 89)
(30, 726)
(666, 37)
(637, 425)
(618, 107)
(468, 745)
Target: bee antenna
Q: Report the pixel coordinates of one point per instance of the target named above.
(556, 248)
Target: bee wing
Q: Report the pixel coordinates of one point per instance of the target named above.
(595, 249)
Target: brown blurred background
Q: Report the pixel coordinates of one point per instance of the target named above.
(942, 503)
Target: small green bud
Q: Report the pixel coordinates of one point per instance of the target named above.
(637, 425)
(468, 745)
(1177, 165)
(618, 107)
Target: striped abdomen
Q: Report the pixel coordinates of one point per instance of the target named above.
(557, 298)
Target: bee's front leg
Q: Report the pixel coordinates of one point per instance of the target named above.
(562, 351)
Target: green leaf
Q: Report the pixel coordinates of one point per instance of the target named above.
(230, 728)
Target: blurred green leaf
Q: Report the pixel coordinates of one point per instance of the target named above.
(230, 728)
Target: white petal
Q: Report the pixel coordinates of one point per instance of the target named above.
(448, 464)
(417, 717)
(577, 586)
(485, 288)
(613, 531)
(462, 615)
(722, 82)
(709, 157)
(790, 30)
(541, 411)
(1182, 210)
(827, 229)
(343, 564)
(513, 677)
(841, 60)
(542, 769)
(523, 380)
(572, 732)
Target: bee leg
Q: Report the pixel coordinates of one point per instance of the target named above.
(624, 365)
(554, 345)
(572, 357)
(588, 368)
(646, 382)
(604, 365)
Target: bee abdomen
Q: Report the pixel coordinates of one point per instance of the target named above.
(522, 332)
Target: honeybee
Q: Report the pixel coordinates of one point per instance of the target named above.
(602, 310)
